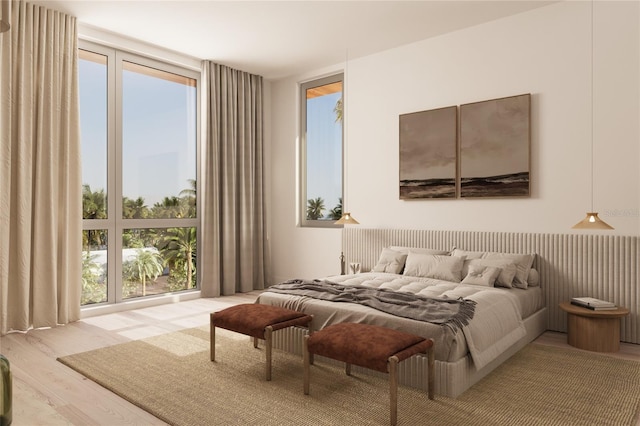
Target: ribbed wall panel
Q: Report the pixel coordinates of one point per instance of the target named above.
(570, 265)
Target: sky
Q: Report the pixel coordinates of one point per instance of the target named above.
(159, 133)
(93, 123)
(159, 137)
(324, 150)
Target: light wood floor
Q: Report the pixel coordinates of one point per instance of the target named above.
(45, 392)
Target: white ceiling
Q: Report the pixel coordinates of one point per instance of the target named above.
(281, 38)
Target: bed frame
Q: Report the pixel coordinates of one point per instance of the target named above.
(569, 265)
(451, 378)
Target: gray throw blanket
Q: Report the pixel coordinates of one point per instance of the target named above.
(453, 313)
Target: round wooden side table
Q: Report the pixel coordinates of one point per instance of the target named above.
(591, 330)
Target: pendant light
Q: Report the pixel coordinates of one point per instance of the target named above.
(592, 221)
(347, 219)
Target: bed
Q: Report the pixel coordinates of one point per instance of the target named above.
(504, 290)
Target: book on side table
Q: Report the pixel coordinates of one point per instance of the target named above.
(593, 303)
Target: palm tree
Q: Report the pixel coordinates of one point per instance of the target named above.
(94, 204)
(169, 207)
(191, 191)
(179, 248)
(93, 290)
(189, 195)
(146, 264)
(315, 207)
(338, 110)
(134, 209)
(96, 238)
(336, 212)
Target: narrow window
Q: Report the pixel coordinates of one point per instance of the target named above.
(321, 151)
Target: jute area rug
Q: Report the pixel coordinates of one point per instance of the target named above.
(172, 377)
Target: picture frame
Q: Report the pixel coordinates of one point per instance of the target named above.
(428, 154)
(495, 141)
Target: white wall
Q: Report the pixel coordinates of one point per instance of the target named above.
(545, 52)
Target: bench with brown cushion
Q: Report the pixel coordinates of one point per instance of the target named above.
(370, 346)
(258, 321)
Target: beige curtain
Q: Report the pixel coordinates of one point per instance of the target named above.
(232, 257)
(40, 177)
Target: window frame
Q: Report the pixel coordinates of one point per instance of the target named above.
(302, 193)
(115, 224)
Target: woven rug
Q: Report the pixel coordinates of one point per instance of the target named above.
(172, 377)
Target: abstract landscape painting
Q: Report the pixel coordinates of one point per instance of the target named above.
(428, 154)
(494, 147)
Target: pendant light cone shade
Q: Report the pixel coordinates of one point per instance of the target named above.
(592, 221)
(347, 219)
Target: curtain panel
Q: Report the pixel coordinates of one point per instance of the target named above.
(232, 257)
(40, 177)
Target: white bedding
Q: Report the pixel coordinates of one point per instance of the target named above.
(497, 322)
(496, 325)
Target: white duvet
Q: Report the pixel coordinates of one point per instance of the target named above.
(496, 325)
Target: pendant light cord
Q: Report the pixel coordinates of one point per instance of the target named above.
(345, 130)
(592, 102)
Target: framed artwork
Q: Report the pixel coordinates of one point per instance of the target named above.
(428, 154)
(494, 147)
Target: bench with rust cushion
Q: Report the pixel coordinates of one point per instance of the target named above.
(370, 346)
(258, 321)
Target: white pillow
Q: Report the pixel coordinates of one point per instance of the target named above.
(506, 267)
(435, 266)
(482, 275)
(406, 250)
(467, 254)
(523, 262)
(390, 261)
(533, 280)
(523, 265)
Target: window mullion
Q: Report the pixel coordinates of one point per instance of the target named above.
(116, 172)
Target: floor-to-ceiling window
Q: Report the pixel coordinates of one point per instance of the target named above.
(139, 121)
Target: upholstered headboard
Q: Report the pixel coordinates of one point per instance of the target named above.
(570, 265)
